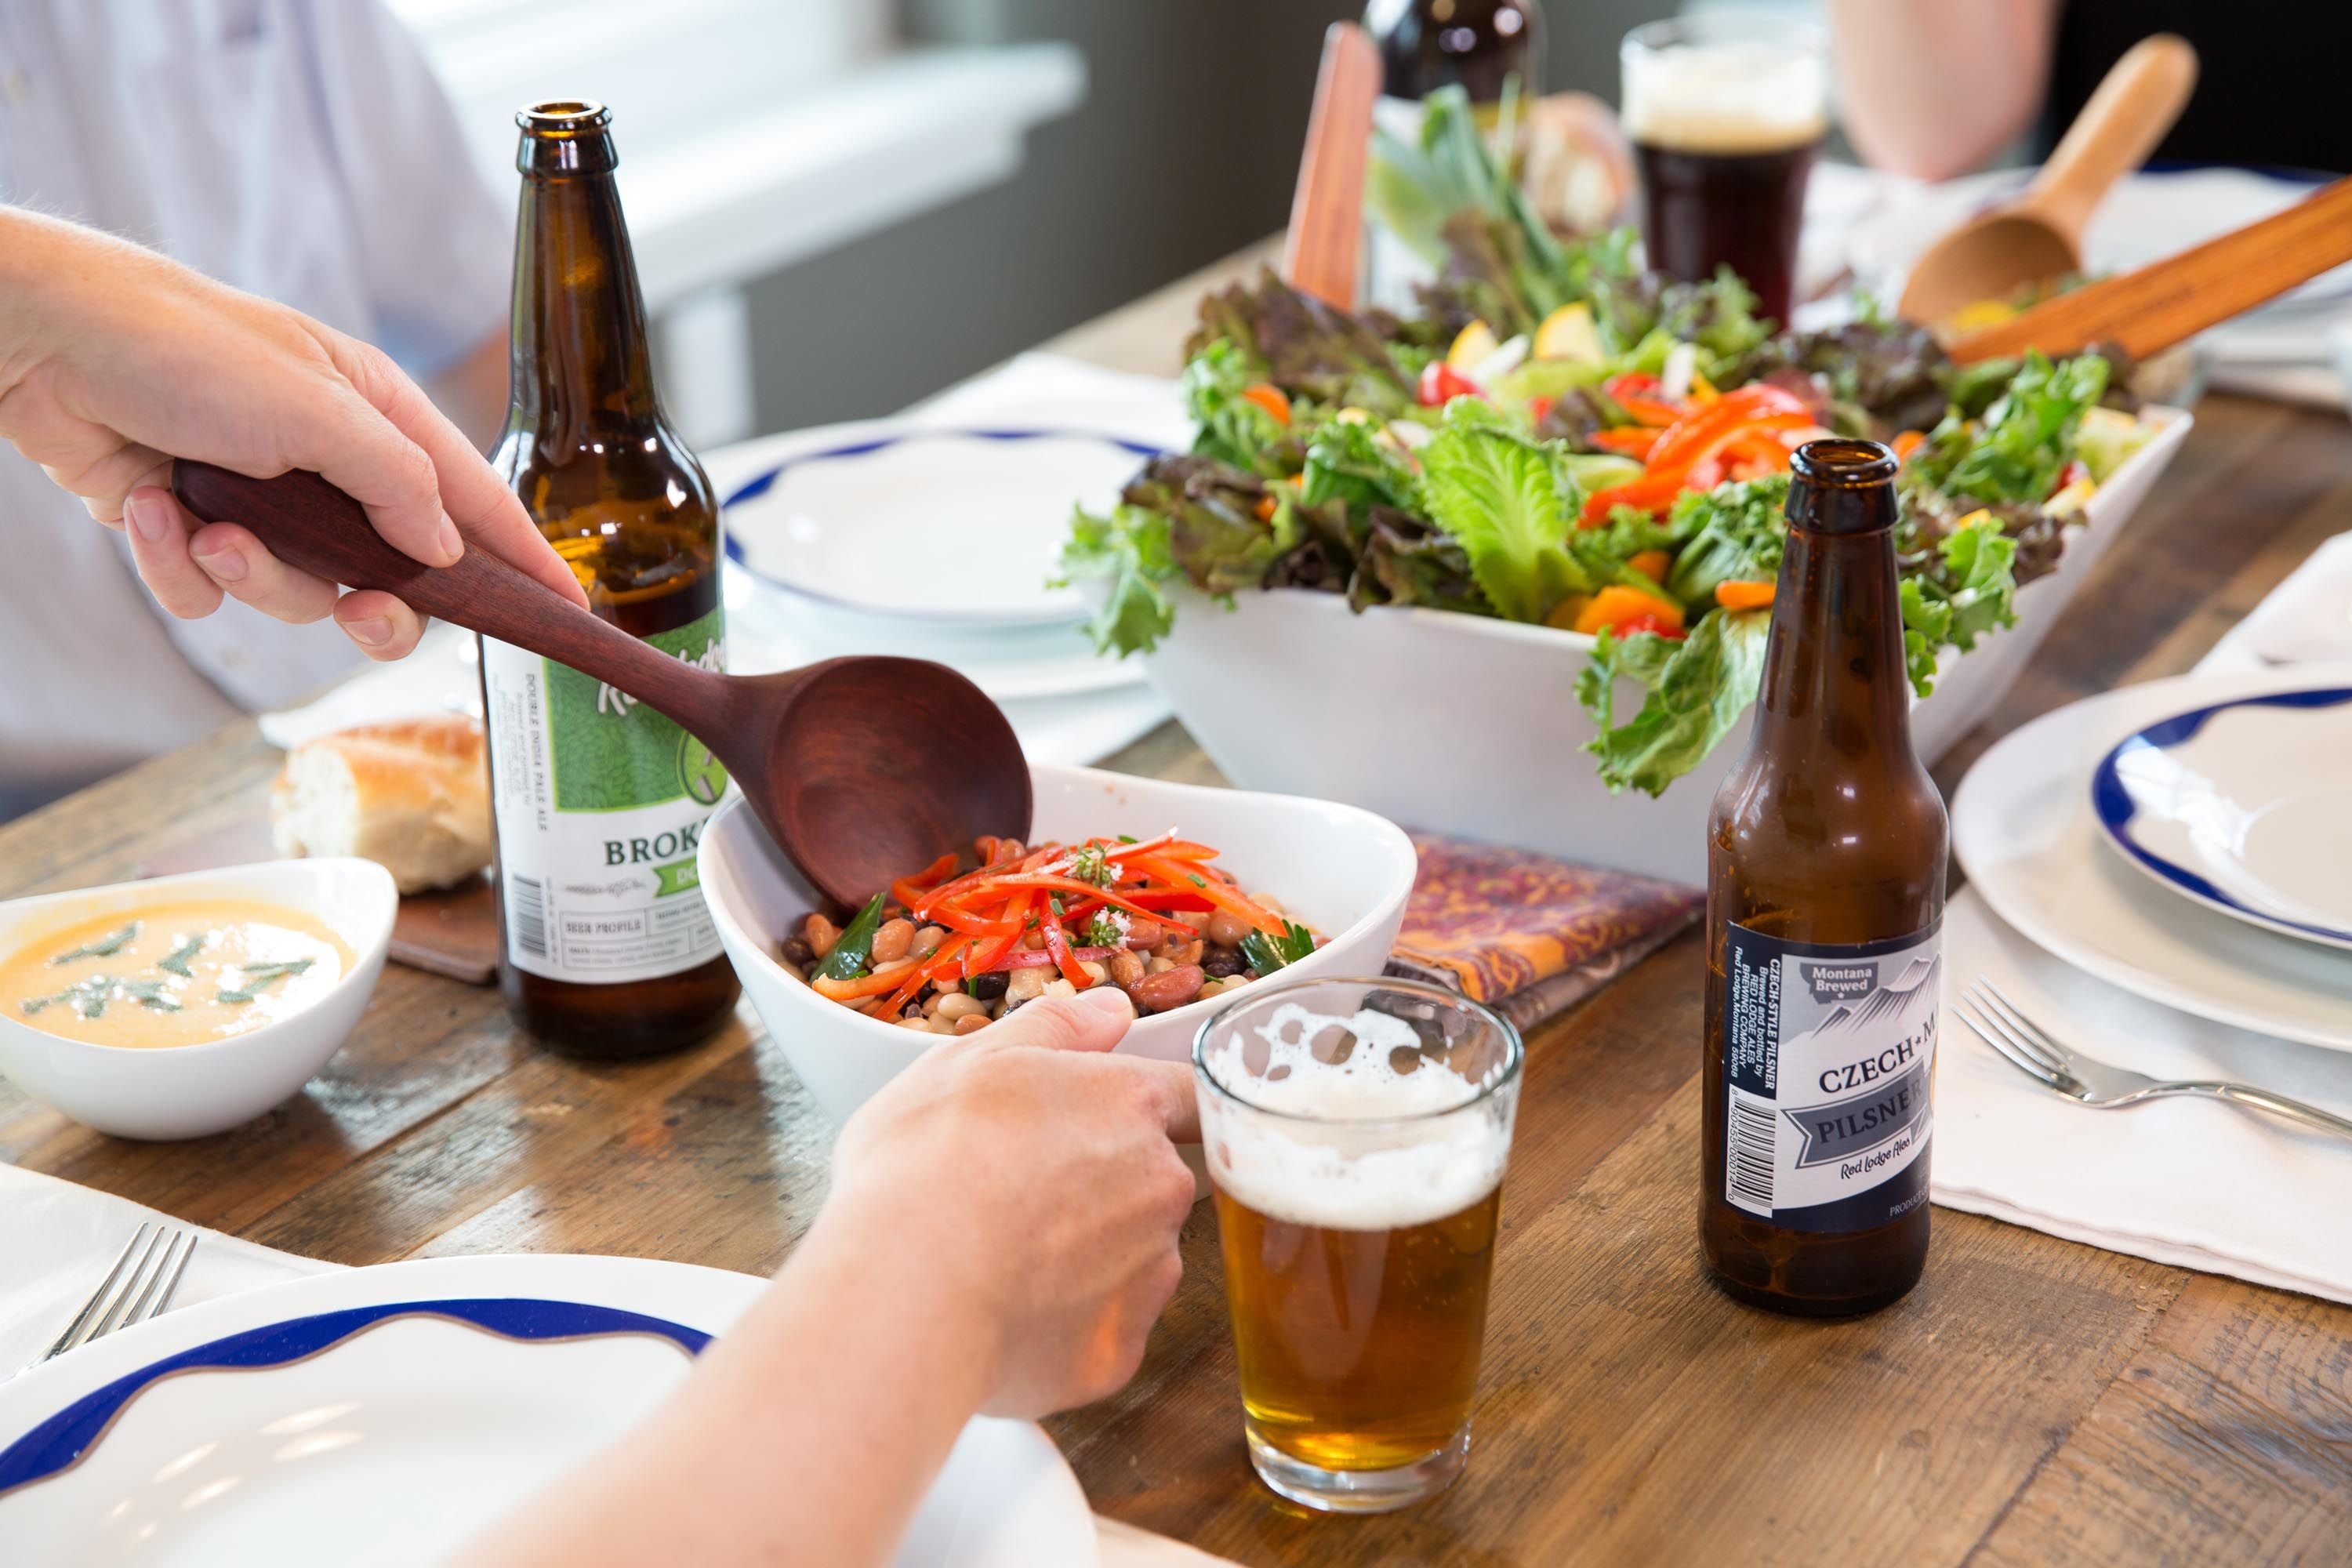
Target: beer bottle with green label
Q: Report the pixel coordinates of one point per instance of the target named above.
(606, 947)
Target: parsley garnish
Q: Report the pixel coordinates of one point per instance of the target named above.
(1265, 954)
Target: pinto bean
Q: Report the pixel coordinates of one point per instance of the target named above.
(1227, 930)
(1126, 969)
(892, 941)
(927, 940)
(1169, 988)
(820, 934)
(972, 1023)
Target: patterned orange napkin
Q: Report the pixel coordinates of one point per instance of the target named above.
(1526, 934)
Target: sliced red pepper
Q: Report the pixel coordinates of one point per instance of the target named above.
(1059, 946)
(1026, 958)
(1630, 384)
(1627, 440)
(961, 919)
(990, 949)
(1654, 413)
(908, 890)
(1224, 898)
(930, 969)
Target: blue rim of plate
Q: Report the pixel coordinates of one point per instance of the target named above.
(2112, 806)
(760, 483)
(58, 1443)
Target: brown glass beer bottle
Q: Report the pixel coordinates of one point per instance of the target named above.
(1825, 899)
(1478, 44)
(606, 947)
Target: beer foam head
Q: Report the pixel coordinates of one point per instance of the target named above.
(1729, 97)
(1356, 1144)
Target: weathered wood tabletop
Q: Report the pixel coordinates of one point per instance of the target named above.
(2032, 1401)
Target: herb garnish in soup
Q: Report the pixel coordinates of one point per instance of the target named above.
(173, 974)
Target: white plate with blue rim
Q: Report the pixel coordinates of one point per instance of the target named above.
(2243, 805)
(382, 1415)
(2024, 830)
(933, 530)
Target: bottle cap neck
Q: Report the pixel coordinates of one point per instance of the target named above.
(1842, 487)
(566, 136)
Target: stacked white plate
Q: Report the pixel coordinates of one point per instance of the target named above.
(2187, 840)
(902, 536)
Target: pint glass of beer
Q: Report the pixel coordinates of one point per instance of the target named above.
(1356, 1132)
(1726, 113)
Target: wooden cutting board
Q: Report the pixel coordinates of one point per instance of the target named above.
(452, 933)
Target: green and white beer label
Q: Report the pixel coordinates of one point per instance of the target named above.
(600, 804)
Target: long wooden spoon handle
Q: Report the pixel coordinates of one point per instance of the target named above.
(2166, 301)
(313, 527)
(1326, 211)
(2128, 113)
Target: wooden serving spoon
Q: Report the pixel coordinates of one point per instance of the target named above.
(2039, 236)
(1327, 222)
(863, 769)
(2166, 301)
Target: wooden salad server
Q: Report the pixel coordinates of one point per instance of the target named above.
(2166, 301)
(2039, 236)
(862, 769)
(1319, 253)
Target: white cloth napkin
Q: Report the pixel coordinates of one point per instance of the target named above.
(2198, 1183)
(2306, 619)
(2194, 1183)
(58, 1239)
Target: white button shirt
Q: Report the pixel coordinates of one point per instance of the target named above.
(299, 149)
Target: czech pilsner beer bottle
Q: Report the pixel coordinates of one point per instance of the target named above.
(1825, 899)
(605, 948)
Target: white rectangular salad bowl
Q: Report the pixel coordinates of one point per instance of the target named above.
(1466, 725)
(1342, 871)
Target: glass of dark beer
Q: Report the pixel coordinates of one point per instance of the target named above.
(1726, 113)
(1356, 1133)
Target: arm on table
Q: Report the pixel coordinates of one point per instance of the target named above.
(1932, 88)
(1000, 1237)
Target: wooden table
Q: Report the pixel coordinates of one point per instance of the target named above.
(2033, 1400)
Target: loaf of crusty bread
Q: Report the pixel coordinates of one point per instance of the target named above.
(413, 796)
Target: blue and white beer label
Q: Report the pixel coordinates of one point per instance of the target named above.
(1830, 1062)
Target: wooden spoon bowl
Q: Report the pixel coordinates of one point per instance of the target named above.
(2039, 237)
(862, 769)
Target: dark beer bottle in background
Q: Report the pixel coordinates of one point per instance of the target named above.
(1478, 44)
(1825, 899)
(605, 946)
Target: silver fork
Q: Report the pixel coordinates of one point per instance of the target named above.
(122, 1299)
(2031, 1050)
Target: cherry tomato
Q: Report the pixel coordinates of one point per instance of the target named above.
(1441, 384)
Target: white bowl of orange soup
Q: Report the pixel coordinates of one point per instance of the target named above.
(185, 1005)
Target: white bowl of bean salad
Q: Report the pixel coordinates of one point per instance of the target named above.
(1337, 873)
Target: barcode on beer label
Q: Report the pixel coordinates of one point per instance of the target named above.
(1829, 1052)
(1747, 1175)
(527, 912)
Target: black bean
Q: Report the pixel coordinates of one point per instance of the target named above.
(1217, 962)
(797, 950)
(989, 987)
